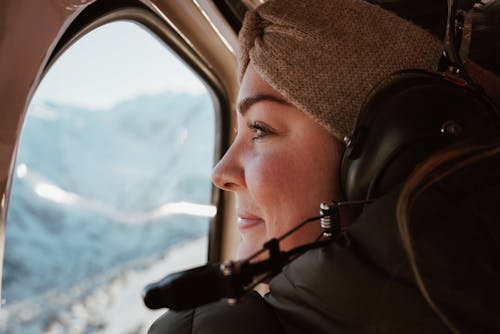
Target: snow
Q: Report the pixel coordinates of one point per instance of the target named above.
(113, 306)
(103, 203)
(127, 315)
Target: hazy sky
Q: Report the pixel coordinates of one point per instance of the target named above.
(117, 61)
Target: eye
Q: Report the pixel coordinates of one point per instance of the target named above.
(260, 130)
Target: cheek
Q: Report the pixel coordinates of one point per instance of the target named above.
(285, 189)
(267, 179)
(297, 185)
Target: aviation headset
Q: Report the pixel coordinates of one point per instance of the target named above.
(409, 116)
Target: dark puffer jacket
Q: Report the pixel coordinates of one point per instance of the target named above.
(368, 287)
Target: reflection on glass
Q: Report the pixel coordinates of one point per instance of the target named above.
(111, 189)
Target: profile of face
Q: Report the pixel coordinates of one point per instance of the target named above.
(281, 166)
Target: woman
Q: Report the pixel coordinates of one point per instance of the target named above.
(277, 143)
(297, 101)
(306, 70)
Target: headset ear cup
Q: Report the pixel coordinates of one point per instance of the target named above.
(410, 116)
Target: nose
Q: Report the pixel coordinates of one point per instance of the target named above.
(229, 173)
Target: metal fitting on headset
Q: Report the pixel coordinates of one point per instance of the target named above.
(329, 219)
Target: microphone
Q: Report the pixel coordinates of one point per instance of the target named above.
(186, 289)
(206, 284)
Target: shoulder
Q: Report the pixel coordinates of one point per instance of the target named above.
(251, 315)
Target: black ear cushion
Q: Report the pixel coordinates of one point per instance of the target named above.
(410, 116)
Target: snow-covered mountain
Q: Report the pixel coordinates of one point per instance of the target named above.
(98, 191)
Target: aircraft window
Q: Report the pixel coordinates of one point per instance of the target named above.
(112, 185)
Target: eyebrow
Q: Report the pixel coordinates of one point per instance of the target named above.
(249, 101)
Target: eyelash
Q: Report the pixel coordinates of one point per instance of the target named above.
(260, 130)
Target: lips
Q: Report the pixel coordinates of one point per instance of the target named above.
(247, 222)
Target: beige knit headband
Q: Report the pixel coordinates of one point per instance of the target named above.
(326, 56)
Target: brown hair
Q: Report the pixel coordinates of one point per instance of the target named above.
(431, 171)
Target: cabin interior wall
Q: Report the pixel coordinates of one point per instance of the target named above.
(28, 34)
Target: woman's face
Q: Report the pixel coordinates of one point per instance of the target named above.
(281, 166)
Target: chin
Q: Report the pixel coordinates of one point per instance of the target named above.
(246, 249)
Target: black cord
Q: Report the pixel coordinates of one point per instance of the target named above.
(264, 249)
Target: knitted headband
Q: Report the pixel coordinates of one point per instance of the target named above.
(326, 56)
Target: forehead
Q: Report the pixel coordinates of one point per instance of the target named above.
(253, 84)
(254, 89)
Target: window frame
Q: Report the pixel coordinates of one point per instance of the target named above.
(103, 12)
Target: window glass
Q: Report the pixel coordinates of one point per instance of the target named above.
(112, 186)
